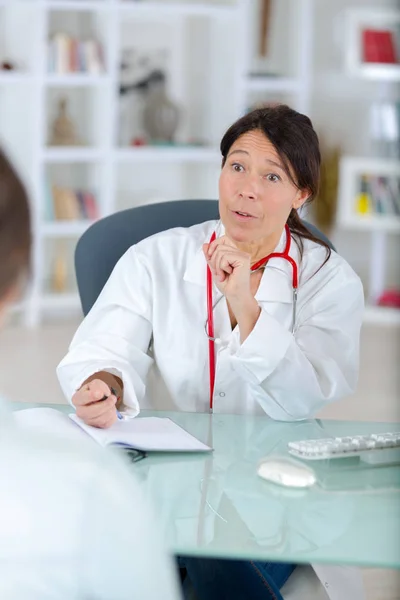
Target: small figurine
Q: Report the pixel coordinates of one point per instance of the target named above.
(63, 130)
(6, 65)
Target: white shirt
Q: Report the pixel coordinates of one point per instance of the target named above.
(148, 327)
(74, 523)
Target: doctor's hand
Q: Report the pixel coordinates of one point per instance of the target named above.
(91, 408)
(230, 268)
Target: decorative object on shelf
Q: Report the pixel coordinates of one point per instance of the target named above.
(326, 204)
(138, 141)
(363, 202)
(70, 55)
(265, 19)
(7, 65)
(63, 130)
(59, 274)
(136, 71)
(389, 298)
(161, 114)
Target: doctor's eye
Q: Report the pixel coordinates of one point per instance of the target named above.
(238, 168)
(273, 177)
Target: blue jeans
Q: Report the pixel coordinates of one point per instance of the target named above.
(220, 579)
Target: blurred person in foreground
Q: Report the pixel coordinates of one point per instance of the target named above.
(73, 522)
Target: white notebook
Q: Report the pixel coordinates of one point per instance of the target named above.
(151, 434)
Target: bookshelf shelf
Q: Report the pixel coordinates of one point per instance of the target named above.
(184, 154)
(65, 228)
(65, 301)
(160, 10)
(374, 166)
(9, 78)
(77, 5)
(377, 72)
(372, 223)
(76, 80)
(380, 315)
(272, 84)
(72, 154)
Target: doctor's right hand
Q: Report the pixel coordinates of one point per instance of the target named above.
(90, 406)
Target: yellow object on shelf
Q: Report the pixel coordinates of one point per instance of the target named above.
(363, 199)
(59, 274)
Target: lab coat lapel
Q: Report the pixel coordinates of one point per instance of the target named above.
(196, 269)
(277, 279)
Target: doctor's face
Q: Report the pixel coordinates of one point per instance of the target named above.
(256, 194)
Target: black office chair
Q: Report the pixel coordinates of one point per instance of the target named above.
(103, 244)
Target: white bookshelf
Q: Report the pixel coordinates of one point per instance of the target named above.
(379, 226)
(211, 46)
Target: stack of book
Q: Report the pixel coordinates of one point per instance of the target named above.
(70, 55)
(73, 205)
(378, 195)
(379, 46)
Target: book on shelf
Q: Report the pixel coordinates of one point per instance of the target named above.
(73, 205)
(379, 46)
(71, 55)
(378, 195)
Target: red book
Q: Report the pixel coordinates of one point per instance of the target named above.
(386, 47)
(91, 206)
(378, 46)
(370, 46)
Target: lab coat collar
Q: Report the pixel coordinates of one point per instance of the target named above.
(276, 282)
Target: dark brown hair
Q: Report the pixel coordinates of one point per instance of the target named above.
(296, 143)
(15, 228)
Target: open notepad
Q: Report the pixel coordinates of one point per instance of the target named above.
(151, 434)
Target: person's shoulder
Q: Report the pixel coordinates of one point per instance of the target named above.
(316, 264)
(65, 465)
(177, 240)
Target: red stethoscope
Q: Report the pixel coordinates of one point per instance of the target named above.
(210, 308)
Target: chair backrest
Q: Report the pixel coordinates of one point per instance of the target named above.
(103, 244)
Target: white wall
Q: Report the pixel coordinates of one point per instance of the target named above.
(340, 114)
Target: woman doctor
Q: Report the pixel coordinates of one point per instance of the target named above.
(284, 331)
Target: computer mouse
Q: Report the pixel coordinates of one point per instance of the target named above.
(286, 471)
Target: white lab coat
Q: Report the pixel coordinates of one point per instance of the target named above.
(148, 327)
(74, 522)
(156, 296)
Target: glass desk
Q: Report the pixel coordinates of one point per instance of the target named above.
(215, 505)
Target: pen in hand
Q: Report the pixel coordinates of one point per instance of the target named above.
(114, 393)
